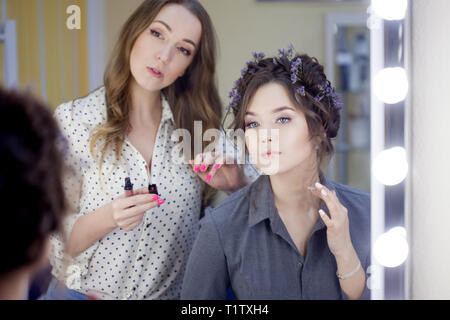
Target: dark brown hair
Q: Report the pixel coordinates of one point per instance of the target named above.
(30, 179)
(321, 116)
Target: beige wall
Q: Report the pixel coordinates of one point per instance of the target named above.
(244, 26)
(116, 13)
(53, 64)
(429, 209)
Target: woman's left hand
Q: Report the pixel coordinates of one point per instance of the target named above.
(219, 172)
(338, 231)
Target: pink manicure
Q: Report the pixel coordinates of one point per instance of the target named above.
(208, 177)
(160, 202)
(217, 166)
(203, 168)
(196, 168)
(155, 197)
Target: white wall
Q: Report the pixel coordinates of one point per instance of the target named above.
(430, 151)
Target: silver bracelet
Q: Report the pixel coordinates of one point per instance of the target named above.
(349, 275)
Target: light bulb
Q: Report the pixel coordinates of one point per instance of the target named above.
(390, 9)
(390, 167)
(391, 85)
(391, 248)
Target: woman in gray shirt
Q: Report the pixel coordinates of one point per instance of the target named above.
(292, 234)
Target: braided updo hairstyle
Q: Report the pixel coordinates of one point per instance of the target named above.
(322, 111)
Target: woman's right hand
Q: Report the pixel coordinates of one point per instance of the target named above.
(128, 212)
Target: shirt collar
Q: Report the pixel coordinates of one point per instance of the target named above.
(94, 107)
(167, 114)
(262, 204)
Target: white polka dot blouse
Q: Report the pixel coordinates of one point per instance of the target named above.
(149, 261)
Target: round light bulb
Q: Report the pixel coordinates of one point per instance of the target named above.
(390, 9)
(390, 167)
(391, 85)
(391, 248)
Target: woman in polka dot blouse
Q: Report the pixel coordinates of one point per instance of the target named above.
(160, 78)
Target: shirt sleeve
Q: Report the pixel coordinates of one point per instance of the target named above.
(65, 268)
(206, 276)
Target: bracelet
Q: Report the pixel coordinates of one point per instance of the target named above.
(349, 275)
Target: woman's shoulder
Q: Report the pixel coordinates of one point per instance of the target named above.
(349, 191)
(355, 200)
(90, 109)
(233, 211)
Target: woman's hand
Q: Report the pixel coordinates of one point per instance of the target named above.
(338, 231)
(128, 212)
(352, 277)
(219, 172)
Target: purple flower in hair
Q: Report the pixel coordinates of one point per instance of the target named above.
(282, 52)
(301, 91)
(295, 69)
(258, 56)
(293, 77)
(318, 98)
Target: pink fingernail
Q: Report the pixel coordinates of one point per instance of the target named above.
(160, 202)
(217, 166)
(208, 177)
(196, 168)
(203, 168)
(155, 197)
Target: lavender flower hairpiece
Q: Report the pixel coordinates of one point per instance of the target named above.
(296, 71)
(234, 94)
(326, 90)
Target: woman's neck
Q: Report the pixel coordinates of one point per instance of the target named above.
(146, 106)
(291, 194)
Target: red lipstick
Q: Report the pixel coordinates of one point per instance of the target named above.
(268, 154)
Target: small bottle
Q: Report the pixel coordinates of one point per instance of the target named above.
(128, 187)
(152, 189)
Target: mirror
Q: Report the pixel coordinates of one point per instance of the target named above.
(335, 32)
(348, 68)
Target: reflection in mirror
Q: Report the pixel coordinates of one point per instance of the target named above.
(349, 69)
(345, 48)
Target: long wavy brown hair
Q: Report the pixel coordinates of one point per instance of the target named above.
(192, 97)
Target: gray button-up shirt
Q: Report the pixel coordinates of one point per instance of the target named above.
(243, 243)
